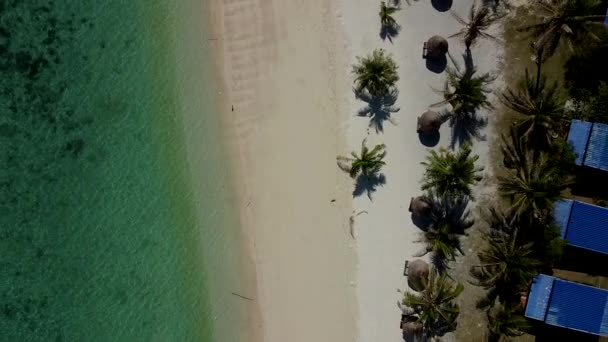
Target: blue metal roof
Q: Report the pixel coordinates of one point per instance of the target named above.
(590, 143)
(538, 298)
(567, 304)
(561, 215)
(588, 227)
(583, 225)
(597, 148)
(578, 137)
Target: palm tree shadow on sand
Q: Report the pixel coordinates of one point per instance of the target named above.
(466, 127)
(389, 32)
(368, 185)
(379, 108)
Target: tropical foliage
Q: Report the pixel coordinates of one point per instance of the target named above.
(451, 172)
(506, 267)
(449, 220)
(367, 163)
(505, 322)
(533, 187)
(465, 92)
(541, 107)
(479, 21)
(561, 20)
(376, 73)
(435, 305)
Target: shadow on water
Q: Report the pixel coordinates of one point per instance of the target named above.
(389, 32)
(379, 108)
(442, 5)
(368, 185)
(437, 65)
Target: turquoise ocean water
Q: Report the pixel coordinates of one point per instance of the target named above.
(110, 229)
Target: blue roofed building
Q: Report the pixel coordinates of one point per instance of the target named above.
(582, 225)
(569, 305)
(590, 143)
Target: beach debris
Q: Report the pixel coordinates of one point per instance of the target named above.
(351, 222)
(241, 296)
(333, 200)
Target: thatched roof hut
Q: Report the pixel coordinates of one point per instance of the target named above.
(420, 206)
(418, 275)
(412, 329)
(429, 122)
(436, 47)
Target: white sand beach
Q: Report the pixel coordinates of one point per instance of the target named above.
(289, 111)
(386, 236)
(289, 123)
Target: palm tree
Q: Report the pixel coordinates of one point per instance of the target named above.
(515, 150)
(435, 305)
(466, 92)
(376, 73)
(368, 163)
(480, 19)
(533, 187)
(448, 221)
(541, 106)
(504, 322)
(559, 19)
(443, 244)
(505, 266)
(451, 172)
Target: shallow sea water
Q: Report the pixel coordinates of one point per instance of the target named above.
(102, 234)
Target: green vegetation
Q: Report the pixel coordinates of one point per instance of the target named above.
(506, 267)
(480, 19)
(451, 172)
(435, 305)
(537, 163)
(367, 163)
(465, 92)
(375, 74)
(559, 22)
(541, 108)
(532, 187)
(505, 322)
(448, 222)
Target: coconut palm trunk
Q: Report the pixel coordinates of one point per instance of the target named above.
(539, 64)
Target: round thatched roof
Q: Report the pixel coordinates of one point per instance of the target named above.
(436, 46)
(429, 122)
(418, 274)
(411, 329)
(420, 206)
